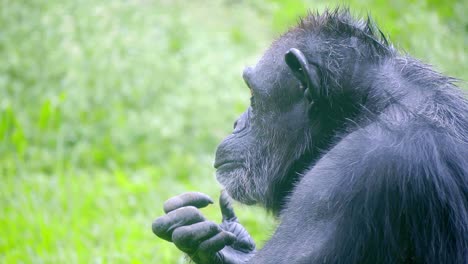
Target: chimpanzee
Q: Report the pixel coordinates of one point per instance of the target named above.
(361, 152)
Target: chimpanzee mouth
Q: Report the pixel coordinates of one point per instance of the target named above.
(226, 164)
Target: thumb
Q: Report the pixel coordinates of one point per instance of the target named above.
(226, 208)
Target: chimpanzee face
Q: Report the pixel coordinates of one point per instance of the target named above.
(269, 136)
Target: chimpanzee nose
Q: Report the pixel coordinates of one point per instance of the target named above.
(240, 123)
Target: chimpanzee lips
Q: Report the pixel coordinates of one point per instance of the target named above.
(225, 163)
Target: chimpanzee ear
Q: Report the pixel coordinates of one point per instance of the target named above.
(306, 73)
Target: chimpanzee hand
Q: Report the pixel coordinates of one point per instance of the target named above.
(204, 241)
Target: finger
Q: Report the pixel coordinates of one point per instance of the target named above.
(226, 208)
(196, 199)
(188, 238)
(217, 242)
(243, 239)
(165, 225)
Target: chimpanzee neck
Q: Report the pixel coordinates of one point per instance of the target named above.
(397, 81)
(280, 191)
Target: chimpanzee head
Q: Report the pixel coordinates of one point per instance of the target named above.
(304, 88)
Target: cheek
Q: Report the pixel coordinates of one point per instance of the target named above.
(295, 119)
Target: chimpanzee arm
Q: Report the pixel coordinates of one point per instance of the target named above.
(378, 197)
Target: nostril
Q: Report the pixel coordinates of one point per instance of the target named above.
(241, 122)
(239, 125)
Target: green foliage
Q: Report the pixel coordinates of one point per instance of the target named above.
(109, 108)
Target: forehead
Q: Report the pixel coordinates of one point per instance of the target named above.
(272, 67)
(271, 76)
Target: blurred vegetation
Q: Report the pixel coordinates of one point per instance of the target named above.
(108, 108)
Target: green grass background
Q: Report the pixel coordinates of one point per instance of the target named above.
(108, 108)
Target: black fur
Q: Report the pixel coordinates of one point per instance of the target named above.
(374, 169)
